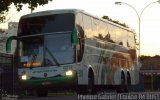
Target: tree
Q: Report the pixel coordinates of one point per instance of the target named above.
(143, 57)
(4, 5)
(114, 21)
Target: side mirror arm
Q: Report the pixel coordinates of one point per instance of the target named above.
(8, 43)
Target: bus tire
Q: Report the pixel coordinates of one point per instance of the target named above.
(123, 78)
(122, 88)
(128, 82)
(128, 79)
(91, 86)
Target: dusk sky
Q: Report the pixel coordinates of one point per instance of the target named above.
(150, 19)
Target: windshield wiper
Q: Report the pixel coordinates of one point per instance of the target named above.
(52, 56)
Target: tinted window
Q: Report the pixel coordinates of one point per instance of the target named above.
(119, 36)
(80, 47)
(79, 20)
(87, 25)
(103, 29)
(131, 41)
(124, 38)
(31, 51)
(59, 47)
(95, 25)
(46, 24)
(79, 25)
(112, 33)
(47, 50)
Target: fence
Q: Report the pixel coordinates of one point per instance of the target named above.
(8, 75)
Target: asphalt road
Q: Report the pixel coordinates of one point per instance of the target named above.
(99, 96)
(50, 98)
(69, 96)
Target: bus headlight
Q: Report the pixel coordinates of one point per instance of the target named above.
(24, 77)
(69, 73)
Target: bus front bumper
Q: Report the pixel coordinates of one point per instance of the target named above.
(51, 82)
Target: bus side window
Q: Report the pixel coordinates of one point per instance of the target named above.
(80, 47)
(131, 40)
(112, 33)
(124, 38)
(79, 26)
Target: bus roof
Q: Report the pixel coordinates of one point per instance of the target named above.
(51, 12)
(60, 11)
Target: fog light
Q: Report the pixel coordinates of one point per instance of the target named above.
(24, 77)
(69, 73)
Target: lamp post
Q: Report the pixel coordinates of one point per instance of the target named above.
(138, 15)
(31, 6)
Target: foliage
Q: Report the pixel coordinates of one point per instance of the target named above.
(150, 62)
(114, 21)
(4, 5)
(143, 57)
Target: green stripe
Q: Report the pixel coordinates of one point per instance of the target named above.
(54, 81)
(8, 43)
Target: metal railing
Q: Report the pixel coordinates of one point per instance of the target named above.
(8, 76)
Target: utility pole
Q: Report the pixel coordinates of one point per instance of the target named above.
(31, 6)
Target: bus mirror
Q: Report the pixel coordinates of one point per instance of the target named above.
(8, 43)
(74, 37)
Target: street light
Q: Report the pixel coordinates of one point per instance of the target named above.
(138, 15)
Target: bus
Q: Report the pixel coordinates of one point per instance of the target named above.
(71, 49)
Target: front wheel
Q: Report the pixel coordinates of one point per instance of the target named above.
(91, 89)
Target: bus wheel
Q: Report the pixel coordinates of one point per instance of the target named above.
(41, 92)
(91, 87)
(122, 78)
(128, 79)
(122, 88)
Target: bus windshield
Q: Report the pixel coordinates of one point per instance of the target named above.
(46, 24)
(46, 50)
(46, 40)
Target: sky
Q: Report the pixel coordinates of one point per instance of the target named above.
(149, 20)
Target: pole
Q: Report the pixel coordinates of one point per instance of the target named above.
(151, 79)
(31, 6)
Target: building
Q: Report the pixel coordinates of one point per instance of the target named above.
(2, 39)
(151, 73)
(11, 31)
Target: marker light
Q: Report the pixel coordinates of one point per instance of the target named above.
(24, 77)
(69, 73)
(33, 64)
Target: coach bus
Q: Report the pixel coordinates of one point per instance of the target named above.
(71, 49)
